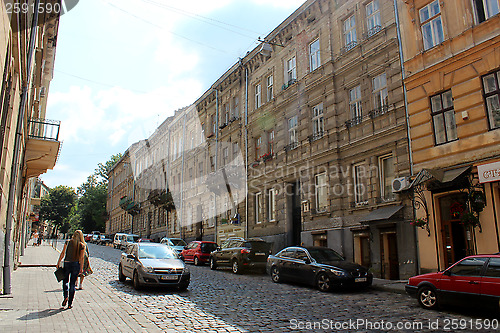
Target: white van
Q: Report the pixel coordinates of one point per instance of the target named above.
(121, 241)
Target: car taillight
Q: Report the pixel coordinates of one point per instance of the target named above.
(243, 251)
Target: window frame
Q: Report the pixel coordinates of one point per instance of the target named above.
(270, 141)
(384, 196)
(314, 55)
(380, 102)
(258, 203)
(487, 95)
(293, 139)
(486, 14)
(270, 83)
(291, 70)
(318, 121)
(271, 205)
(258, 95)
(258, 147)
(317, 188)
(375, 14)
(435, 114)
(359, 198)
(355, 104)
(349, 32)
(431, 20)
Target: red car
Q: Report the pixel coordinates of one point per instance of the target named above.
(198, 252)
(472, 281)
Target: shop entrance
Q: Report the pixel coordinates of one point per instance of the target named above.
(455, 243)
(389, 255)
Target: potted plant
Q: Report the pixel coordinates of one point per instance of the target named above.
(470, 219)
(420, 222)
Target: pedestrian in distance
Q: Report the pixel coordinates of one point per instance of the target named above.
(73, 254)
(35, 238)
(87, 270)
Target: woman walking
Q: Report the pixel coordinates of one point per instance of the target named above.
(73, 254)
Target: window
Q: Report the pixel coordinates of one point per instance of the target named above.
(236, 149)
(373, 17)
(484, 9)
(226, 113)
(350, 32)
(491, 87)
(270, 142)
(432, 27)
(386, 175)
(468, 267)
(318, 121)
(321, 192)
(236, 112)
(292, 131)
(355, 104)
(225, 156)
(381, 100)
(314, 55)
(258, 100)
(443, 118)
(359, 177)
(258, 147)
(214, 124)
(200, 169)
(291, 71)
(271, 205)
(258, 207)
(269, 81)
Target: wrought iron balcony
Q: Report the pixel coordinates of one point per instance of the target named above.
(42, 148)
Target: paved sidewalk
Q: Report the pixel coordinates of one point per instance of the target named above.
(35, 302)
(394, 286)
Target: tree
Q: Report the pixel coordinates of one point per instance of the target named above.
(92, 204)
(103, 169)
(57, 205)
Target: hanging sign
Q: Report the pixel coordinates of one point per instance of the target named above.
(489, 172)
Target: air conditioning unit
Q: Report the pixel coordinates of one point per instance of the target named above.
(400, 184)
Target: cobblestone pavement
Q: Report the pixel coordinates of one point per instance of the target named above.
(219, 301)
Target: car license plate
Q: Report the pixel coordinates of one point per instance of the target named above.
(260, 254)
(169, 277)
(363, 279)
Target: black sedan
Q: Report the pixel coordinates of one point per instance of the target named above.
(152, 264)
(317, 266)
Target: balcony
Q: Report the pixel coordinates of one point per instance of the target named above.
(42, 148)
(130, 206)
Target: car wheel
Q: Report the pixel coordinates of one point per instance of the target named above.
(427, 298)
(196, 261)
(183, 287)
(323, 282)
(275, 274)
(236, 267)
(136, 282)
(121, 276)
(213, 264)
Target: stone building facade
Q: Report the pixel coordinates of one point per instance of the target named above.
(452, 77)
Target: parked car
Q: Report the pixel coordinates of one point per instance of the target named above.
(153, 264)
(176, 243)
(96, 235)
(87, 237)
(144, 240)
(472, 281)
(317, 266)
(241, 254)
(122, 241)
(104, 240)
(198, 252)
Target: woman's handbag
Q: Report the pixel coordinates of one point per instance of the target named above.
(59, 273)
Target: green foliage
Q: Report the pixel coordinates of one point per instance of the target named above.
(57, 205)
(103, 169)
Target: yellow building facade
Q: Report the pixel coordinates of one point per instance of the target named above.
(451, 52)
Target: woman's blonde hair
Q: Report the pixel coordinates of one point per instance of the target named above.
(78, 236)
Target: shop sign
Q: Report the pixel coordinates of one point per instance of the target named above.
(489, 172)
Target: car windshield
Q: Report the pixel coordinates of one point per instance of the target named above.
(132, 239)
(178, 242)
(208, 247)
(156, 252)
(321, 255)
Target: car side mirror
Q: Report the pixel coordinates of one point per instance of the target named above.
(218, 248)
(185, 247)
(130, 256)
(447, 273)
(307, 261)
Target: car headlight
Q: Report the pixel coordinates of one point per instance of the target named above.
(185, 270)
(148, 269)
(339, 273)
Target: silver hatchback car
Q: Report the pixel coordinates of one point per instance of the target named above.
(152, 264)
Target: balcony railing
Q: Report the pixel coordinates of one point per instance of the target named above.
(379, 111)
(44, 129)
(354, 121)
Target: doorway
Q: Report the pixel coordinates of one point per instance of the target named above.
(296, 213)
(454, 236)
(389, 255)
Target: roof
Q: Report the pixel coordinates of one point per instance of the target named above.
(383, 213)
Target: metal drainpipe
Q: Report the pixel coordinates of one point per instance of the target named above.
(247, 228)
(216, 154)
(407, 115)
(7, 285)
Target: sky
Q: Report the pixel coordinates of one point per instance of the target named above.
(123, 66)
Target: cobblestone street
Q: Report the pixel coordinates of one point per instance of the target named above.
(221, 301)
